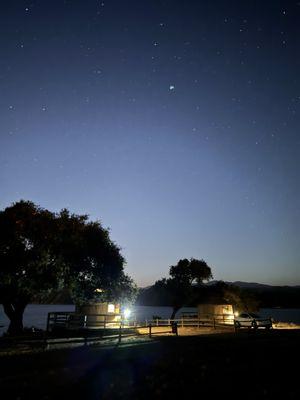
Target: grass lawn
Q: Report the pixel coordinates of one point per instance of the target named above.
(245, 365)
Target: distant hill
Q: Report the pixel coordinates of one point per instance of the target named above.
(252, 285)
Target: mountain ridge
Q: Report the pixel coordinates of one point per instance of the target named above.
(256, 285)
(243, 284)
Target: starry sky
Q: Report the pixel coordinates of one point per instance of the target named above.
(175, 123)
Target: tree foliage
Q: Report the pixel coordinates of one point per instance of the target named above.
(190, 271)
(41, 251)
(221, 292)
(185, 277)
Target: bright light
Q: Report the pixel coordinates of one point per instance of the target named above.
(127, 313)
(111, 308)
(229, 316)
(236, 314)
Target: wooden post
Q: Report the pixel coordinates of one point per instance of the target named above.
(150, 327)
(156, 322)
(174, 328)
(48, 322)
(254, 324)
(214, 323)
(120, 333)
(181, 322)
(45, 342)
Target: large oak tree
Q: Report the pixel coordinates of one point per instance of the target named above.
(42, 251)
(182, 287)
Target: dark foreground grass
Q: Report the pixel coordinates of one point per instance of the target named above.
(258, 366)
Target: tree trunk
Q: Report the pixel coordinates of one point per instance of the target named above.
(15, 315)
(175, 309)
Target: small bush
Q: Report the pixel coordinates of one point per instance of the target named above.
(156, 317)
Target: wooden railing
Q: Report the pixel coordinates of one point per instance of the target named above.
(193, 322)
(75, 329)
(70, 320)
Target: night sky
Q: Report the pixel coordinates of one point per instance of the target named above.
(176, 123)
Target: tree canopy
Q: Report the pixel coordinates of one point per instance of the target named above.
(41, 251)
(219, 292)
(185, 276)
(190, 271)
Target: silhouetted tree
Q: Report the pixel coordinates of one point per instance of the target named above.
(241, 299)
(41, 251)
(179, 288)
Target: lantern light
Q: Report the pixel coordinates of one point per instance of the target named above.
(127, 313)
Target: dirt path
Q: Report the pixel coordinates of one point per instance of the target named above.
(238, 366)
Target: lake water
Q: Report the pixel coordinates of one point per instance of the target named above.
(36, 314)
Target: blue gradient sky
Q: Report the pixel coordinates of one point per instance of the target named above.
(174, 123)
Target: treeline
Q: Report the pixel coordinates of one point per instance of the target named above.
(222, 293)
(218, 293)
(277, 296)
